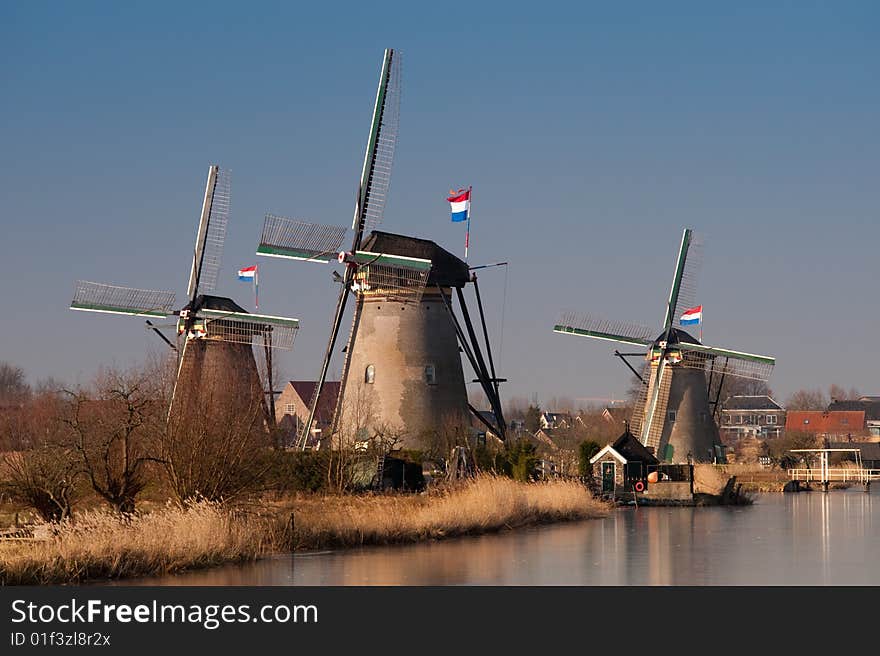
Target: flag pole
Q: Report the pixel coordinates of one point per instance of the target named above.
(257, 288)
(701, 324)
(467, 233)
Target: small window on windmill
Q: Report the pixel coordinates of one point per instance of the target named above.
(771, 419)
(370, 374)
(671, 415)
(430, 374)
(289, 409)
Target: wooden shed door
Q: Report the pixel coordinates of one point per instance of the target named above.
(608, 477)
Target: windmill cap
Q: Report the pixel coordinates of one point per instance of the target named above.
(446, 269)
(209, 302)
(677, 335)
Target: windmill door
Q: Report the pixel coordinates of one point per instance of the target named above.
(608, 476)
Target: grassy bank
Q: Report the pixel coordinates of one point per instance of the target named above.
(100, 545)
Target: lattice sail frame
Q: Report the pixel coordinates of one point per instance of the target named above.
(241, 328)
(726, 364)
(587, 325)
(298, 240)
(215, 237)
(114, 299)
(382, 151)
(398, 277)
(687, 291)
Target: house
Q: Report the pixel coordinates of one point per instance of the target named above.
(758, 415)
(619, 466)
(556, 420)
(544, 439)
(871, 406)
(869, 452)
(292, 407)
(831, 423)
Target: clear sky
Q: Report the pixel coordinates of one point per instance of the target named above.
(591, 132)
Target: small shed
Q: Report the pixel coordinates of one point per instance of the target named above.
(619, 465)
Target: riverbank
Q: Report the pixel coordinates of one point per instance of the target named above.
(101, 545)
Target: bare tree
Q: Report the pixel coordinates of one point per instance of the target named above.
(14, 389)
(38, 468)
(838, 393)
(807, 400)
(114, 431)
(216, 452)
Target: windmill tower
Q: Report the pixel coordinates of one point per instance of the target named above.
(672, 413)
(402, 371)
(215, 336)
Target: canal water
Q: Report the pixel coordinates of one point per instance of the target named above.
(810, 538)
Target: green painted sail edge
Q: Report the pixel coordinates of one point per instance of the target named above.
(568, 330)
(713, 350)
(251, 318)
(366, 257)
(112, 309)
(676, 279)
(375, 126)
(291, 253)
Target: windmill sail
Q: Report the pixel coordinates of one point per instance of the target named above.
(370, 206)
(682, 294)
(211, 233)
(113, 299)
(400, 277)
(298, 240)
(734, 363)
(242, 327)
(379, 155)
(584, 325)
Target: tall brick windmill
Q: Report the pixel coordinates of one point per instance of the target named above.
(672, 413)
(215, 335)
(402, 370)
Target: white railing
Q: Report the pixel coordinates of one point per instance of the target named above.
(835, 475)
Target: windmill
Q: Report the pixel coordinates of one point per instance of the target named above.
(402, 355)
(215, 336)
(671, 414)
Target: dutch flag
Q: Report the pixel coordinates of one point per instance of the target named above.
(692, 316)
(247, 273)
(460, 204)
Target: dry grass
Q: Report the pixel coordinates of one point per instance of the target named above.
(101, 545)
(485, 505)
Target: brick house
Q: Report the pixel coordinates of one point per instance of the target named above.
(759, 416)
(292, 407)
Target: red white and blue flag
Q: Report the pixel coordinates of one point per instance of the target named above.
(460, 204)
(249, 274)
(692, 317)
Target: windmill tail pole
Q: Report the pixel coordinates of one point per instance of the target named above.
(334, 331)
(488, 345)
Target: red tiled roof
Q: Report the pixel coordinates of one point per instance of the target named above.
(825, 421)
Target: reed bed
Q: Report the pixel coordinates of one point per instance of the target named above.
(103, 545)
(487, 504)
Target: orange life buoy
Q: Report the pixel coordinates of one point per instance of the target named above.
(640, 487)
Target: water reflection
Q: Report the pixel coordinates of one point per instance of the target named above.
(798, 539)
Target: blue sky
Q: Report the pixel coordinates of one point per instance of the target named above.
(592, 134)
